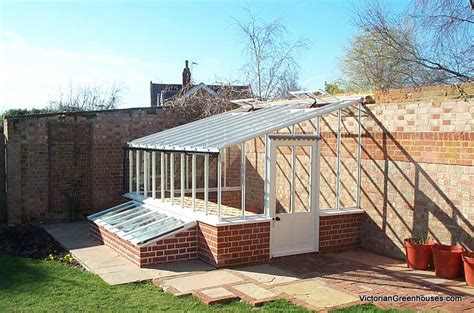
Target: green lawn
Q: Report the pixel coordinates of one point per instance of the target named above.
(369, 308)
(34, 285)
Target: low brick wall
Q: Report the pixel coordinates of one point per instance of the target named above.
(234, 244)
(125, 248)
(179, 247)
(339, 232)
(219, 246)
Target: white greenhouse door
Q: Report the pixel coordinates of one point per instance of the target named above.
(294, 196)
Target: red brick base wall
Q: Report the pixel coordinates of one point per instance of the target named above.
(182, 246)
(339, 232)
(230, 244)
(234, 244)
(123, 247)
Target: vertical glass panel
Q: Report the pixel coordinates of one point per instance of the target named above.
(283, 179)
(199, 203)
(146, 170)
(177, 178)
(233, 163)
(254, 177)
(328, 147)
(131, 171)
(348, 167)
(302, 179)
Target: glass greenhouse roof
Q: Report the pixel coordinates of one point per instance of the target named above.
(212, 134)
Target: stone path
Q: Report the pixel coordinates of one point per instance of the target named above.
(322, 282)
(108, 264)
(256, 285)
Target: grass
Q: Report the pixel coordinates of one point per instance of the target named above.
(368, 308)
(36, 285)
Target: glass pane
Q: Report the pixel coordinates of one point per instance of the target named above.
(283, 179)
(255, 173)
(302, 179)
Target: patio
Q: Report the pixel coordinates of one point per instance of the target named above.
(313, 280)
(322, 282)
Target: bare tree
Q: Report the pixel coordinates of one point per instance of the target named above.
(288, 82)
(270, 55)
(203, 103)
(88, 98)
(435, 35)
(370, 64)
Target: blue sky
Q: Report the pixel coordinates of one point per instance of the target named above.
(46, 45)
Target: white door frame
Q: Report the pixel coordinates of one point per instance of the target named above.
(314, 187)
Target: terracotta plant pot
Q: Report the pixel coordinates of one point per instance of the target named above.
(447, 260)
(468, 259)
(419, 256)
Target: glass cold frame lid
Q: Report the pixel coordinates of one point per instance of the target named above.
(138, 223)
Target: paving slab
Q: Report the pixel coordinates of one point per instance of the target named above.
(266, 274)
(216, 295)
(316, 294)
(112, 267)
(188, 284)
(218, 292)
(72, 235)
(254, 294)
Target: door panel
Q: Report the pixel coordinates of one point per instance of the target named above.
(302, 179)
(292, 204)
(283, 179)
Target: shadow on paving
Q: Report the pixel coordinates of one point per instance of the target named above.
(72, 235)
(340, 271)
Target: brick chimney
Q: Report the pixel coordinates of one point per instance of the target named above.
(186, 75)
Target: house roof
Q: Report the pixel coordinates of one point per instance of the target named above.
(201, 86)
(212, 134)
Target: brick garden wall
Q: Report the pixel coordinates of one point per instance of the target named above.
(417, 168)
(36, 166)
(418, 174)
(3, 194)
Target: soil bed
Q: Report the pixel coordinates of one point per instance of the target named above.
(29, 241)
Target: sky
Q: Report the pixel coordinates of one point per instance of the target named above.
(46, 46)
